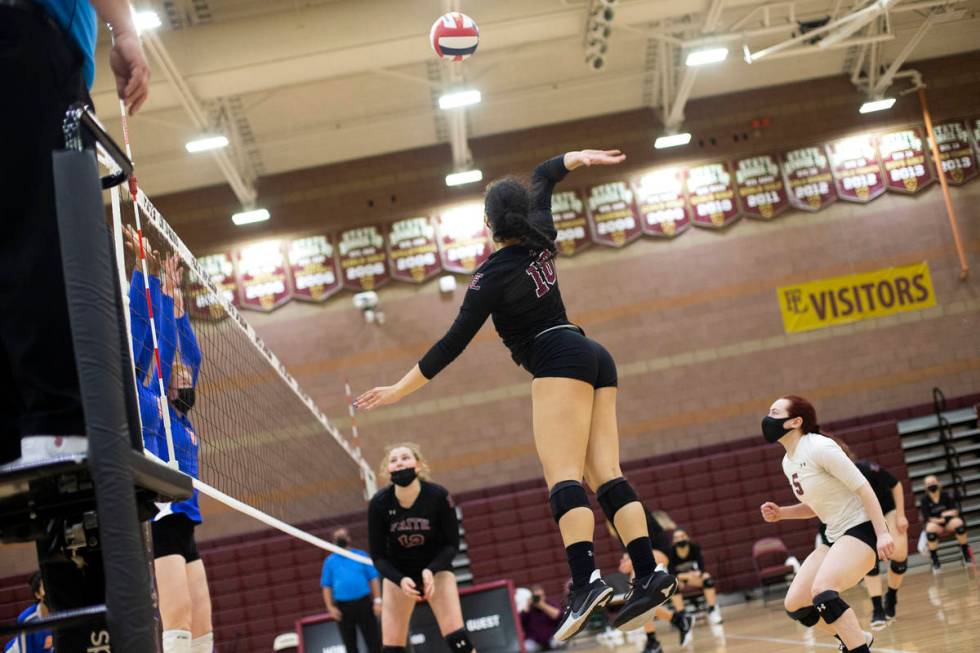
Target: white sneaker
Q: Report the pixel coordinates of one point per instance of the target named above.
(35, 448)
(869, 639)
(714, 616)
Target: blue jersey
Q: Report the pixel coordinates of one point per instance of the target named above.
(41, 641)
(77, 17)
(186, 448)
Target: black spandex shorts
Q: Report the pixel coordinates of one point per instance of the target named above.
(864, 531)
(174, 535)
(566, 353)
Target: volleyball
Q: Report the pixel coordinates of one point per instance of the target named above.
(454, 36)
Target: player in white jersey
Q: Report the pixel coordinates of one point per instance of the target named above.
(829, 486)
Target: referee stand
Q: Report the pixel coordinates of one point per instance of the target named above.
(85, 511)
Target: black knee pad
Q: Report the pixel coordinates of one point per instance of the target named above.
(708, 582)
(565, 496)
(392, 649)
(459, 641)
(932, 537)
(900, 567)
(874, 570)
(960, 529)
(830, 605)
(807, 616)
(613, 495)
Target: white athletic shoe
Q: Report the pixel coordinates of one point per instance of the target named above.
(714, 616)
(869, 639)
(35, 448)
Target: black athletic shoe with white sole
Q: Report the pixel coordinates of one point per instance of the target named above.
(580, 605)
(869, 639)
(878, 619)
(646, 593)
(890, 606)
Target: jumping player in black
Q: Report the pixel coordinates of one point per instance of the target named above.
(573, 392)
(414, 534)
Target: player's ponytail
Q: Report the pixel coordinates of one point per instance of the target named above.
(507, 205)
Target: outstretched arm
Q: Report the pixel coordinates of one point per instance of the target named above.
(552, 171)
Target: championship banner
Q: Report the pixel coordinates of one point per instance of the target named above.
(413, 250)
(313, 267)
(857, 171)
(612, 215)
(903, 154)
(976, 134)
(661, 203)
(761, 190)
(808, 178)
(959, 160)
(363, 260)
(220, 269)
(855, 297)
(572, 224)
(712, 194)
(263, 281)
(464, 241)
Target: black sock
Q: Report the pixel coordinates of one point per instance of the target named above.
(876, 603)
(966, 551)
(651, 638)
(641, 553)
(935, 556)
(581, 562)
(892, 596)
(863, 648)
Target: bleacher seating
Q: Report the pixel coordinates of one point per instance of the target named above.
(262, 582)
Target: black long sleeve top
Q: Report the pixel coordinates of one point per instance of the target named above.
(404, 541)
(517, 286)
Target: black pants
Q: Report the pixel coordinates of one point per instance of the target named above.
(42, 76)
(359, 614)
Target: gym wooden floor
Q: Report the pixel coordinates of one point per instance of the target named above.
(936, 614)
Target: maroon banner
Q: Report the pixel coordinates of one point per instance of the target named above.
(612, 215)
(976, 134)
(907, 167)
(712, 195)
(571, 221)
(808, 178)
(857, 171)
(313, 267)
(363, 260)
(263, 278)
(761, 190)
(220, 269)
(959, 160)
(464, 241)
(661, 203)
(413, 250)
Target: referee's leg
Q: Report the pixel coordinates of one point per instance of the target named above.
(348, 624)
(368, 623)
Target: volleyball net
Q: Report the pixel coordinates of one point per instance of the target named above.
(213, 399)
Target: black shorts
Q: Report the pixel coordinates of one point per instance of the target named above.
(566, 353)
(174, 535)
(865, 532)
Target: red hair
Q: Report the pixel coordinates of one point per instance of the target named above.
(800, 407)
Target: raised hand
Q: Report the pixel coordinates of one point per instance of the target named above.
(380, 396)
(581, 158)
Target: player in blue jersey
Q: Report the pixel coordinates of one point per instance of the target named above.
(39, 641)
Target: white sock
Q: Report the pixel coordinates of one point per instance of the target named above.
(203, 644)
(176, 641)
(597, 574)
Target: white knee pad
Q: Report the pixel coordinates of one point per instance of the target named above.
(203, 644)
(176, 641)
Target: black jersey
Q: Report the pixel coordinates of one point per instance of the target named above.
(882, 482)
(404, 541)
(692, 561)
(930, 508)
(515, 285)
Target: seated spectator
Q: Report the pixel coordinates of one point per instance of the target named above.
(40, 641)
(539, 621)
(687, 565)
(942, 518)
(352, 594)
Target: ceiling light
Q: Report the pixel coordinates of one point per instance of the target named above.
(672, 140)
(706, 56)
(248, 217)
(877, 105)
(459, 99)
(465, 177)
(206, 143)
(146, 20)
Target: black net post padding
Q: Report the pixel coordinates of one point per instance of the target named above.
(93, 309)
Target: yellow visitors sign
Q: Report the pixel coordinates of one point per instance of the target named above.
(839, 300)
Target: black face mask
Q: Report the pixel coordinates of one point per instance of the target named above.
(932, 488)
(772, 428)
(342, 542)
(185, 399)
(680, 544)
(536, 599)
(403, 477)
